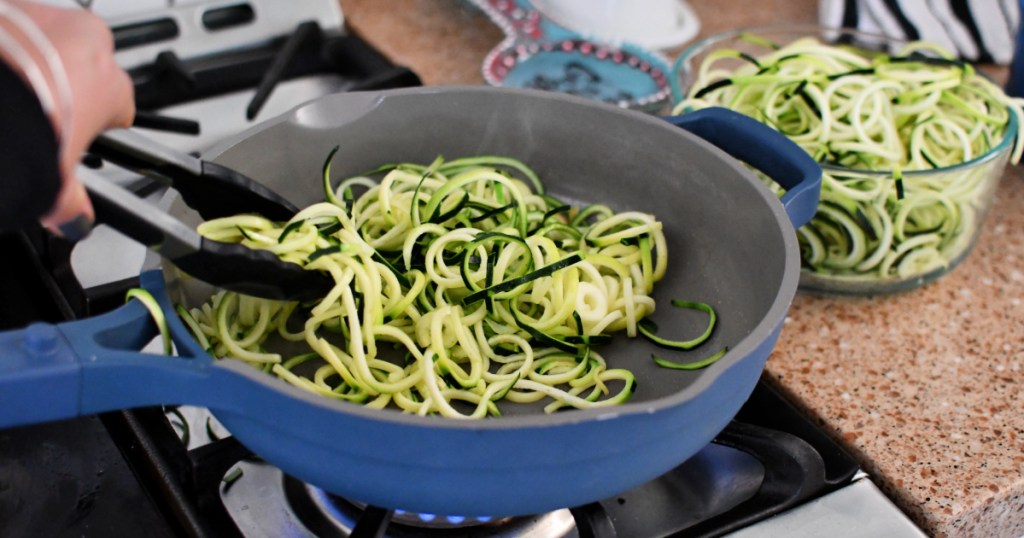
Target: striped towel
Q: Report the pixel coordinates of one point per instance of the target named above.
(980, 31)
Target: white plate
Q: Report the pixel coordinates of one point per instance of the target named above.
(654, 24)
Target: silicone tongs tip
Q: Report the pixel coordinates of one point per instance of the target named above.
(214, 191)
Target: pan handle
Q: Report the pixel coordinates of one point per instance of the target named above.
(51, 372)
(763, 148)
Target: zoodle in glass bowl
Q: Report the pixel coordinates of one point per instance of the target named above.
(911, 141)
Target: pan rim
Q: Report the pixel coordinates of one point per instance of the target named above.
(758, 335)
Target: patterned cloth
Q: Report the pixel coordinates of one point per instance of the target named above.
(980, 31)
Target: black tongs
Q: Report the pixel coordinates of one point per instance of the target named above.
(213, 191)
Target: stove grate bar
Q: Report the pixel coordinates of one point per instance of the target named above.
(304, 32)
(159, 122)
(592, 521)
(373, 523)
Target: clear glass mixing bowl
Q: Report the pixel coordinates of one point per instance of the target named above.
(872, 233)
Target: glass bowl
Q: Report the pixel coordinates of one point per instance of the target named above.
(881, 230)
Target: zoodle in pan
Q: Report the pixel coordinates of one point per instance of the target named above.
(892, 117)
(456, 281)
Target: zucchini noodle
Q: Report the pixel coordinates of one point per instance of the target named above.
(457, 284)
(893, 134)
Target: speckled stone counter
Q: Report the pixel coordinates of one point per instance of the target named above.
(925, 388)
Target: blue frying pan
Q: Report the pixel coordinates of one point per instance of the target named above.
(731, 243)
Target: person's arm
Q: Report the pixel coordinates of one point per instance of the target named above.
(64, 58)
(29, 173)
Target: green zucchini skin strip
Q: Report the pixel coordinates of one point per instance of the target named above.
(326, 174)
(291, 227)
(516, 282)
(147, 300)
(333, 249)
(185, 432)
(231, 479)
(649, 329)
(695, 365)
(541, 336)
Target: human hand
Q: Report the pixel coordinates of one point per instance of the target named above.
(102, 97)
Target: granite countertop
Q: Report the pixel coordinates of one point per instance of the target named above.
(925, 387)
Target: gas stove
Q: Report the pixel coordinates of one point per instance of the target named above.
(177, 472)
(207, 70)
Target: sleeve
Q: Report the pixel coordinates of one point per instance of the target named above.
(29, 167)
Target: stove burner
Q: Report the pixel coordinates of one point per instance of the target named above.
(329, 515)
(413, 519)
